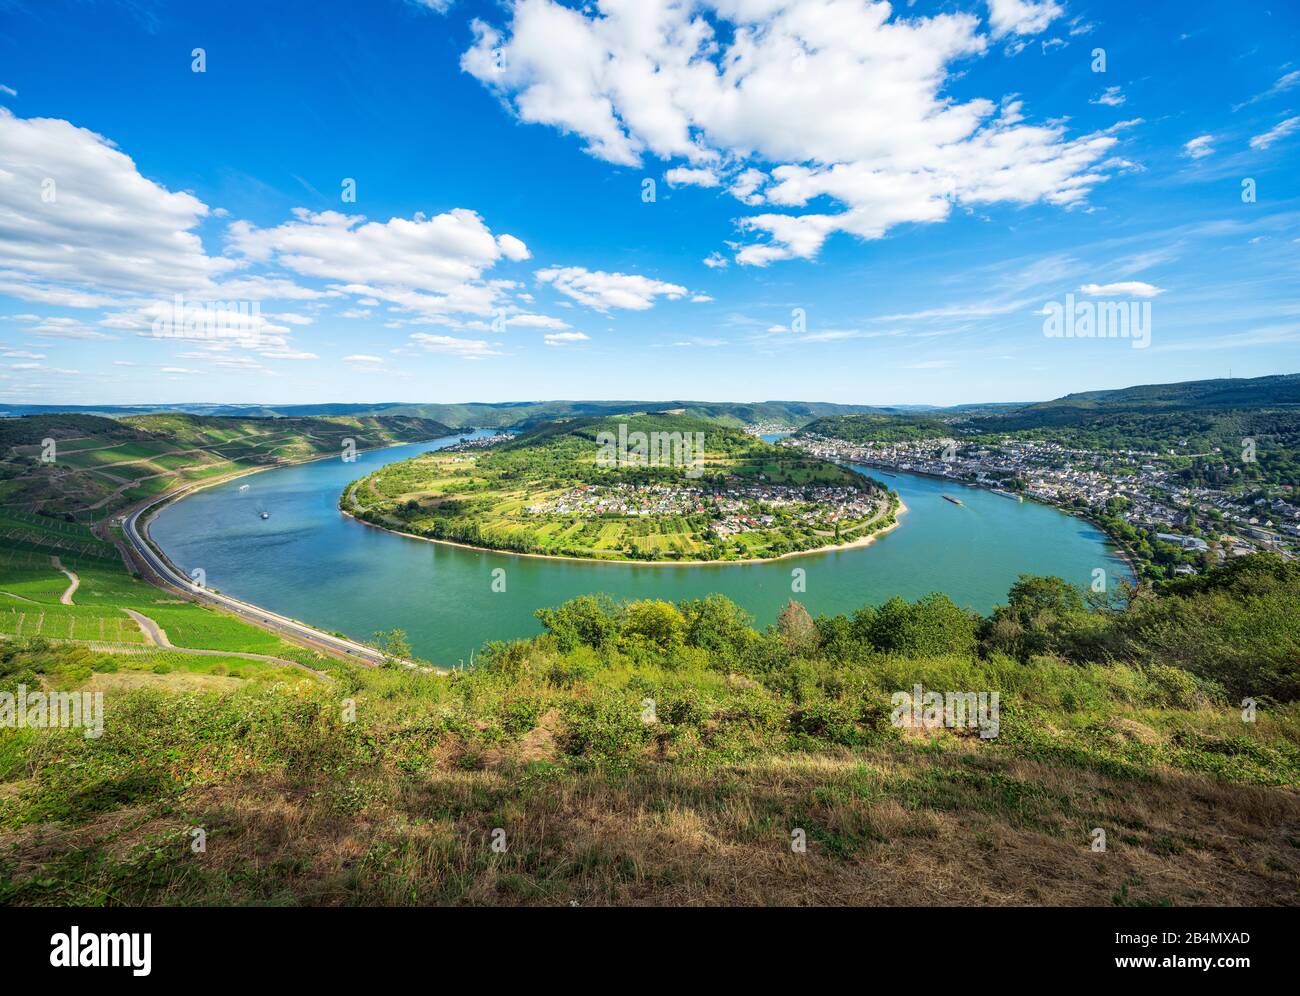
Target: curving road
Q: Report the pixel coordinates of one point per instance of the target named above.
(169, 577)
(73, 582)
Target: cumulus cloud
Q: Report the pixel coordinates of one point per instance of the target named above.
(833, 97)
(78, 215)
(745, 186)
(1022, 17)
(436, 254)
(1124, 288)
(684, 176)
(1279, 131)
(606, 291)
(1199, 147)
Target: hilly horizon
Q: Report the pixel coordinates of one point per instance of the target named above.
(1271, 390)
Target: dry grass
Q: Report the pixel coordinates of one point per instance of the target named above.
(900, 827)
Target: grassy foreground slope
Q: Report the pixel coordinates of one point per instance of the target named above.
(671, 754)
(554, 491)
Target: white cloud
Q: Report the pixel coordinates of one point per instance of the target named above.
(435, 255)
(700, 342)
(78, 217)
(1283, 84)
(468, 349)
(605, 291)
(363, 360)
(684, 176)
(1199, 147)
(845, 100)
(8, 90)
(744, 188)
(1021, 17)
(524, 320)
(63, 328)
(1124, 288)
(283, 353)
(291, 318)
(1278, 131)
(715, 261)
(1110, 97)
(562, 338)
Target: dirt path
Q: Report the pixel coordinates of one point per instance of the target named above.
(66, 597)
(156, 636)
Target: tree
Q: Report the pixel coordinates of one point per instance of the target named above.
(658, 621)
(394, 645)
(928, 627)
(588, 620)
(797, 628)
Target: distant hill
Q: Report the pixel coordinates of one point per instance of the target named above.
(485, 415)
(1237, 392)
(100, 464)
(1190, 420)
(1278, 391)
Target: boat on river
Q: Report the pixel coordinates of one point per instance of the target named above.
(1008, 494)
(955, 501)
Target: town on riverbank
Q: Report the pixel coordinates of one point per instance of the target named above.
(1167, 526)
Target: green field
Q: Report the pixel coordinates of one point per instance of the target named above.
(31, 586)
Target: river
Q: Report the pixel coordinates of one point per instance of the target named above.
(310, 562)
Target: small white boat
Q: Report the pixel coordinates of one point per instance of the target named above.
(266, 515)
(243, 487)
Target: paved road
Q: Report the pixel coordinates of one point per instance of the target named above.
(165, 574)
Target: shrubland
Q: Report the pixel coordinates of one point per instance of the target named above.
(656, 752)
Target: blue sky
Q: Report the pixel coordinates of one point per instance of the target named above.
(851, 202)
